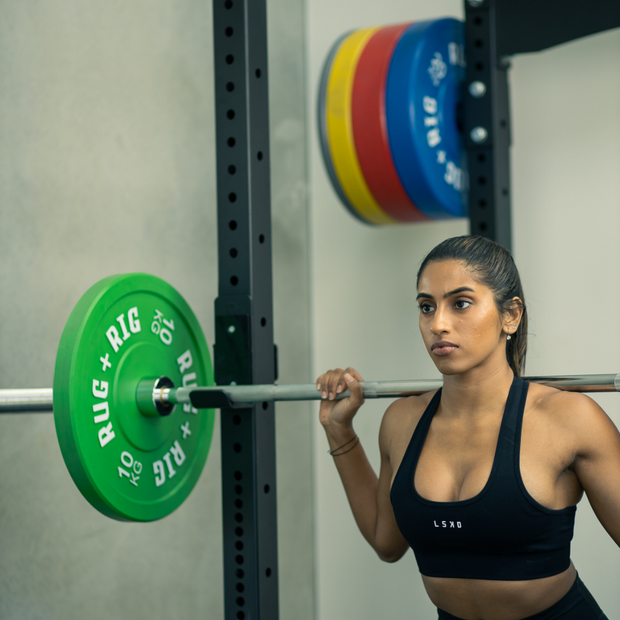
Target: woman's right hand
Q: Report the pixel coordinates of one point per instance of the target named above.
(339, 412)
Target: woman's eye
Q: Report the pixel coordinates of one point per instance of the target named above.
(426, 308)
(461, 304)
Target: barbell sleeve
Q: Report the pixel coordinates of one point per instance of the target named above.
(40, 399)
(34, 400)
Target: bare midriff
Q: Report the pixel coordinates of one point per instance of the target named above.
(481, 599)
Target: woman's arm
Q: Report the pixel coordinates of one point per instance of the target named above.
(597, 458)
(369, 496)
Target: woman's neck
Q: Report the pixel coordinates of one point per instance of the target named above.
(477, 391)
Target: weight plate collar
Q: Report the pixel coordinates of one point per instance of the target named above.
(340, 128)
(127, 328)
(370, 128)
(422, 95)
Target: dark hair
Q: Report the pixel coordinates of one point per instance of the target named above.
(493, 266)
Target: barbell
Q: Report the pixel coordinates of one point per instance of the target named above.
(159, 398)
(132, 372)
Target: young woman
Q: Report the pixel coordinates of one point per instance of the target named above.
(482, 477)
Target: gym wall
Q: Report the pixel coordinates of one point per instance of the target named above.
(107, 164)
(566, 218)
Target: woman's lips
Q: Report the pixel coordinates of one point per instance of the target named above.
(443, 347)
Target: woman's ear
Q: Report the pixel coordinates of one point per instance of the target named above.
(513, 312)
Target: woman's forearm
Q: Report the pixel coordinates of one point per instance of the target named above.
(358, 478)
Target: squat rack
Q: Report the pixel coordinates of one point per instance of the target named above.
(244, 351)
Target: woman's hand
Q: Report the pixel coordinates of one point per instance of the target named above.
(369, 496)
(339, 412)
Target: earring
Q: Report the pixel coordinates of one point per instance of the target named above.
(508, 337)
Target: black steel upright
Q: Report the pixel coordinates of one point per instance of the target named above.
(495, 30)
(244, 349)
(487, 125)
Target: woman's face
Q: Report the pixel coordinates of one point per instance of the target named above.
(459, 321)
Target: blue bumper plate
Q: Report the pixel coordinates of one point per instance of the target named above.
(423, 95)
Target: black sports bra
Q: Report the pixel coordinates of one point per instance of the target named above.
(502, 533)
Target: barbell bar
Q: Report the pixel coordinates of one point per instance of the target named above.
(241, 395)
(152, 394)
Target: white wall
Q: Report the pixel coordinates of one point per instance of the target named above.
(566, 192)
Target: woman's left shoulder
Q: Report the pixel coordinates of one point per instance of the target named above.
(570, 411)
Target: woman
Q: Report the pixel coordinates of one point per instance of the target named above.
(482, 477)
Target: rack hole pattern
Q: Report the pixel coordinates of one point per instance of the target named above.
(239, 544)
(480, 165)
(239, 586)
(232, 76)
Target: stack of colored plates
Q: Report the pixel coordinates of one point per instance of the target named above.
(388, 102)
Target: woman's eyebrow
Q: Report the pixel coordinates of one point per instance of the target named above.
(456, 291)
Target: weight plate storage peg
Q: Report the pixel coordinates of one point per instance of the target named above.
(131, 464)
(422, 101)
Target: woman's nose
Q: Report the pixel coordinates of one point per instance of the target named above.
(440, 322)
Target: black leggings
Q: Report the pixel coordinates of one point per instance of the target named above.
(578, 604)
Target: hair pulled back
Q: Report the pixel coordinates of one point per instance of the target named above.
(493, 266)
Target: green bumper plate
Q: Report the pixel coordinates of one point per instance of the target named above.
(129, 466)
